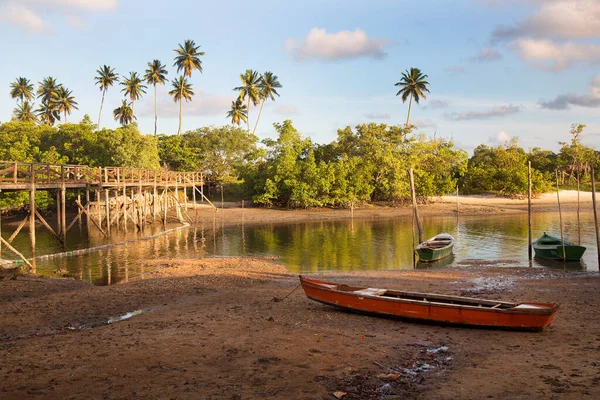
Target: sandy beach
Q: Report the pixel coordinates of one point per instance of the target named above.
(240, 328)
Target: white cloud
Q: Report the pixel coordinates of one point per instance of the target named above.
(75, 21)
(557, 19)
(498, 111)
(436, 104)
(285, 110)
(376, 115)
(319, 44)
(24, 17)
(87, 5)
(28, 13)
(500, 138)
(423, 123)
(564, 101)
(487, 55)
(547, 55)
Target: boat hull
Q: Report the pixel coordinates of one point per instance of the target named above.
(525, 319)
(551, 248)
(429, 255)
(436, 248)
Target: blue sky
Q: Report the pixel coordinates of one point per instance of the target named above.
(497, 68)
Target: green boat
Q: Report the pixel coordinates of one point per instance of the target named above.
(436, 248)
(551, 247)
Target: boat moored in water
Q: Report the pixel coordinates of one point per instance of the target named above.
(436, 248)
(551, 247)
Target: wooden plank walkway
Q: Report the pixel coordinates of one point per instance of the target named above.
(18, 176)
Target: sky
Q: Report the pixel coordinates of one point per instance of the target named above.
(497, 69)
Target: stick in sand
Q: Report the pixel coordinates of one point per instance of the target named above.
(562, 234)
(595, 214)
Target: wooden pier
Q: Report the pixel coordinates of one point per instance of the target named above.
(113, 197)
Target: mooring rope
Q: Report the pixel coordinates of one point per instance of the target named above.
(277, 299)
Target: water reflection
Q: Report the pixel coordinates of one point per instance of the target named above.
(315, 246)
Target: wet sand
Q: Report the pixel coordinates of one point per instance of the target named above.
(218, 329)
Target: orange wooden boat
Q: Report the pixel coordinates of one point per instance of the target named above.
(432, 308)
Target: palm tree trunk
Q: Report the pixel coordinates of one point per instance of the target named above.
(408, 117)
(248, 116)
(132, 110)
(101, 105)
(257, 119)
(65, 116)
(155, 114)
(180, 115)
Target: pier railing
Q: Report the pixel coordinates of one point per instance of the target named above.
(20, 176)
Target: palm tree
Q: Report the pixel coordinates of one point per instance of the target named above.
(134, 88)
(106, 78)
(65, 101)
(21, 89)
(238, 112)
(268, 85)
(188, 58)
(250, 89)
(156, 74)
(182, 89)
(24, 112)
(48, 112)
(124, 114)
(48, 89)
(413, 85)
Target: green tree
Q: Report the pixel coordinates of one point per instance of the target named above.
(238, 112)
(65, 101)
(124, 114)
(156, 74)
(250, 89)
(574, 158)
(413, 84)
(134, 88)
(182, 89)
(501, 170)
(188, 58)
(106, 78)
(48, 113)
(268, 86)
(24, 112)
(21, 89)
(48, 89)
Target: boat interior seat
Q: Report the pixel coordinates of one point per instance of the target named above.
(371, 291)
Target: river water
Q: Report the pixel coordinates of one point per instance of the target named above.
(489, 240)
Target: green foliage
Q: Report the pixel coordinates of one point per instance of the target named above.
(368, 164)
(502, 170)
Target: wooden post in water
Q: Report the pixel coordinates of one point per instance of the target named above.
(124, 207)
(529, 248)
(414, 201)
(562, 230)
(58, 219)
(87, 206)
(595, 214)
(578, 208)
(154, 199)
(32, 217)
(78, 211)
(194, 197)
(107, 205)
(63, 204)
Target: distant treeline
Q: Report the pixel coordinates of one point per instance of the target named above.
(363, 165)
